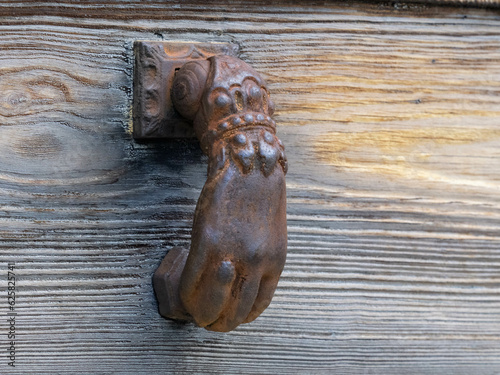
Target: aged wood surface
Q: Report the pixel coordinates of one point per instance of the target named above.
(474, 3)
(390, 116)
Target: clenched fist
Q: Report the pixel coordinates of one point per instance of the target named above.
(239, 238)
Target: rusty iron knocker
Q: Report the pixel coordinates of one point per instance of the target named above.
(239, 236)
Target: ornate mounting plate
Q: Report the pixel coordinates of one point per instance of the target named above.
(155, 66)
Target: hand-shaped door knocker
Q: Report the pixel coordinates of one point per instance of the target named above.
(239, 236)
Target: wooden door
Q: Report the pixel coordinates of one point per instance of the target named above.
(390, 115)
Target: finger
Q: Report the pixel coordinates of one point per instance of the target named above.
(204, 240)
(243, 296)
(266, 291)
(212, 293)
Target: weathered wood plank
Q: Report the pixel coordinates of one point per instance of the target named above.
(390, 118)
(476, 3)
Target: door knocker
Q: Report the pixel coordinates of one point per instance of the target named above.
(239, 235)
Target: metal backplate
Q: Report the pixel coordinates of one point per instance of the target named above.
(155, 67)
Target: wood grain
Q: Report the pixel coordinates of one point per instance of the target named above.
(473, 3)
(390, 119)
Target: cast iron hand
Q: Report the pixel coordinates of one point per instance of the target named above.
(239, 237)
